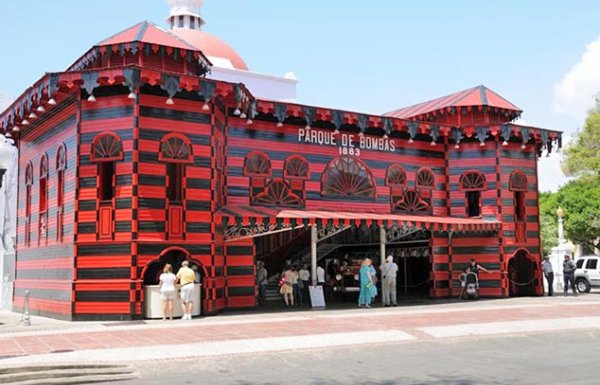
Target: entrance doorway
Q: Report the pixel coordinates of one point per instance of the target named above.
(174, 257)
(521, 273)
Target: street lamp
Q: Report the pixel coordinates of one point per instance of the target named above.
(560, 213)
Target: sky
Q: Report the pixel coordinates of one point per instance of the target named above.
(544, 56)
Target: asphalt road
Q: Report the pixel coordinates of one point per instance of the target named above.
(558, 358)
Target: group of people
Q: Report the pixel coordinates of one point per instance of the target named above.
(294, 285)
(368, 282)
(569, 268)
(186, 277)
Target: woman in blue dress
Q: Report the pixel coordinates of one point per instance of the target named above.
(367, 287)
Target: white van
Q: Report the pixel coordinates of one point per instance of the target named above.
(587, 274)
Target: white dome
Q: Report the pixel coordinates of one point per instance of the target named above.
(185, 7)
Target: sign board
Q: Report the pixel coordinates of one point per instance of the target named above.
(317, 296)
(347, 144)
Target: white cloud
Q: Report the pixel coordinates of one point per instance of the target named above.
(574, 94)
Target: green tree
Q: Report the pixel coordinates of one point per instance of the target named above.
(580, 200)
(582, 157)
(548, 221)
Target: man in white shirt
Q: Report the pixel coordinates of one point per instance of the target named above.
(389, 271)
(549, 274)
(320, 275)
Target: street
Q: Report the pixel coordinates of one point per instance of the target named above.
(539, 358)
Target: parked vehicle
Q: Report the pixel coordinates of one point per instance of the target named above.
(587, 274)
(347, 280)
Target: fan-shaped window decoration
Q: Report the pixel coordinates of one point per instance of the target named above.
(61, 158)
(395, 176)
(425, 178)
(411, 202)
(175, 148)
(29, 174)
(518, 181)
(296, 166)
(347, 176)
(44, 167)
(107, 148)
(257, 163)
(278, 193)
(472, 181)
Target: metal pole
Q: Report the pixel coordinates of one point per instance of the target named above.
(382, 236)
(26, 317)
(405, 278)
(313, 253)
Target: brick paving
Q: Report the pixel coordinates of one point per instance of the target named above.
(294, 323)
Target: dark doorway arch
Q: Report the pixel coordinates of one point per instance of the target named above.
(522, 275)
(175, 256)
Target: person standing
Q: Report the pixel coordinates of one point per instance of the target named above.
(167, 290)
(549, 274)
(366, 284)
(389, 271)
(296, 287)
(304, 276)
(262, 281)
(287, 288)
(321, 280)
(569, 275)
(186, 278)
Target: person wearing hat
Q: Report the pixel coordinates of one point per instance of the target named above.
(549, 274)
(389, 270)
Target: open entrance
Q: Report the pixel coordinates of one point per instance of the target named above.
(152, 305)
(522, 275)
(340, 255)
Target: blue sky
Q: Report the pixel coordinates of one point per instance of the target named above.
(366, 56)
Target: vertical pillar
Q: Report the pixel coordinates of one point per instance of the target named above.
(313, 253)
(382, 237)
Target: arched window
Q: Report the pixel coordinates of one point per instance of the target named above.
(61, 165)
(28, 187)
(296, 167)
(278, 193)
(518, 185)
(518, 181)
(257, 163)
(472, 183)
(107, 149)
(175, 148)
(395, 176)
(43, 201)
(348, 177)
(425, 178)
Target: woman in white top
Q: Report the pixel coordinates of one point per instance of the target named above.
(167, 290)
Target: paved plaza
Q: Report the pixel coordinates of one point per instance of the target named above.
(51, 341)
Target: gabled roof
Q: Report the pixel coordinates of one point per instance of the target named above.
(473, 97)
(147, 32)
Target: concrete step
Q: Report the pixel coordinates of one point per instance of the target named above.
(65, 374)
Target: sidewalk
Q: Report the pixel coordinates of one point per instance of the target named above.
(50, 341)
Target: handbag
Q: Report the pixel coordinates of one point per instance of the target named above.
(282, 280)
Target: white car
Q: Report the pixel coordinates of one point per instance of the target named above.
(587, 274)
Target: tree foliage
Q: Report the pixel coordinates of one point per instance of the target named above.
(582, 158)
(580, 200)
(548, 221)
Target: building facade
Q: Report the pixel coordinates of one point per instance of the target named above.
(133, 158)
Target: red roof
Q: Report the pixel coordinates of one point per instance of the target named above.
(147, 32)
(473, 97)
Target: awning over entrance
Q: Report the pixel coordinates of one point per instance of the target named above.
(252, 220)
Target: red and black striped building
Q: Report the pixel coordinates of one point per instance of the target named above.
(132, 157)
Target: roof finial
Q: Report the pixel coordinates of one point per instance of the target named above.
(185, 14)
